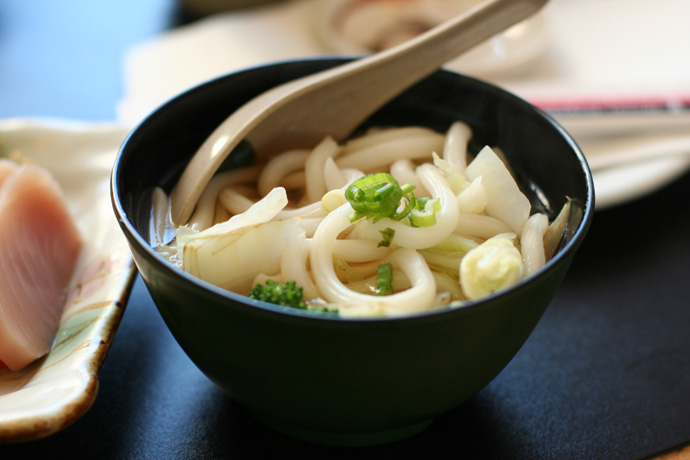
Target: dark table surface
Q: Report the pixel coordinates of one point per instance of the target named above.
(606, 373)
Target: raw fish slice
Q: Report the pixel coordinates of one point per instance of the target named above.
(7, 168)
(40, 245)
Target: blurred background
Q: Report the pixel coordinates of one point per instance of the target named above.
(615, 73)
(605, 374)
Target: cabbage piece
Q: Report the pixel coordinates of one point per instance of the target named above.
(233, 259)
(445, 256)
(454, 177)
(506, 201)
(493, 265)
(444, 263)
(230, 254)
(473, 199)
(455, 244)
(261, 211)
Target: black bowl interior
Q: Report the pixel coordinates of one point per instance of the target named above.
(545, 161)
(178, 128)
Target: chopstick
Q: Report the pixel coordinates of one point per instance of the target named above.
(623, 129)
(597, 114)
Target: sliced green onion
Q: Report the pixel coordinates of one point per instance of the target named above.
(384, 280)
(378, 196)
(410, 202)
(375, 195)
(424, 214)
(387, 234)
(408, 188)
(420, 203)
(355, 216)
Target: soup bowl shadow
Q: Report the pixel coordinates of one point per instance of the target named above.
(316, 376)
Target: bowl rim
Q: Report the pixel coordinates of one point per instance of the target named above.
(246, 302)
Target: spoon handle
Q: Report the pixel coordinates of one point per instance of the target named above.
(334, 102)
(342, 97)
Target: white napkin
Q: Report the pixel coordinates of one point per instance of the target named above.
(613, 52)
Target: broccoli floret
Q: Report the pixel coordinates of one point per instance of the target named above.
(287, 294)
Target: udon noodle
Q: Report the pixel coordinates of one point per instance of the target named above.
(293, 219)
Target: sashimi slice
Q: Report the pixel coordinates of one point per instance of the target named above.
(7, 168)
(40, 246)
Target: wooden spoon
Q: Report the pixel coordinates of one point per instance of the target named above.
(334, 102)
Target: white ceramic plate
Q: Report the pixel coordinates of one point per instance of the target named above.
(638, 164)
(616, 186)
(56, 390)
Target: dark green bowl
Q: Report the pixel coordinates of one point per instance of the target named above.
(314, 375)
